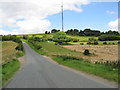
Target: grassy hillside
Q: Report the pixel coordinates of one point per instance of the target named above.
(82, 39)
(52, 49)
(8, 51)
(9, 62)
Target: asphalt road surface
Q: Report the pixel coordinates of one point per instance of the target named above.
(40, 72)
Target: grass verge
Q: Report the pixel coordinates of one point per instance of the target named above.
(96, 69)
(9, 69)
(20, 54)
(9, 64)
(38, 51)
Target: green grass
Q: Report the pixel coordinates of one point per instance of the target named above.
(0, 75)
(100, 42)
(50, 49)
(10, 65)
(83, 38)
(9, 69)
(96, 69)
(20, 54)
(38, 51)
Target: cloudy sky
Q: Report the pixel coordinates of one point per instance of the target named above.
(38, 16)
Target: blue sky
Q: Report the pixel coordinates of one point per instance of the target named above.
(40, 16)
(94, 16)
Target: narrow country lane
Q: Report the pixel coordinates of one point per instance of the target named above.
(39, 72)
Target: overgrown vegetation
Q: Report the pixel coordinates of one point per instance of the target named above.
(35, 42)
(9, 63)
(109, 37)
(86, 52)
(8, 70)
(8, 51)
(11, 50)
(13, 38)
(102, 69)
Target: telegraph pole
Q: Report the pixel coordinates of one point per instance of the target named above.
(62, 16)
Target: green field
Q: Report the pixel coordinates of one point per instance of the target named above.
(82, 39)
(50, 49)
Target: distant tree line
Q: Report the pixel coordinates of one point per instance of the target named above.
(102, 36)
(85, 32)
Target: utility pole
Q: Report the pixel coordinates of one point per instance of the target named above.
(62, 16)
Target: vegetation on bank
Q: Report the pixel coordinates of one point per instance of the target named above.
(102, 70)
(12, 48)
(9, 69)
(10, 63)
(8, 51)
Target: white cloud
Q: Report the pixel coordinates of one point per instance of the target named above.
(33, 13)
(113, 25)
(110, 12)
(13, 32)
(104, 0)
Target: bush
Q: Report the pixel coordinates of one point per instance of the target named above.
(96, 43)
(90, 43)
(118, 42)
(86, 52)
(75, 40)
(69, 58)
(105, 43)
(36, 45)
(109, 43)
(61, 38)
(92, 39)
(109, 37)
(13, 38)
(56, 43)
(81, 43)
(113, 43)
(25, 37)
(19, 47)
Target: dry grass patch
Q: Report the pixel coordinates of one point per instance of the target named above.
(8, 51)
(102, 52)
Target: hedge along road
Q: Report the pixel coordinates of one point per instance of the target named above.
(40, 72)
